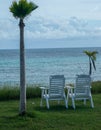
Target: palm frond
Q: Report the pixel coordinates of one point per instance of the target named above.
(22, 8)
(88, 53)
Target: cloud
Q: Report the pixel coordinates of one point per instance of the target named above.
(57, 29)
(91, 1)
(8, 29)
(45, 28)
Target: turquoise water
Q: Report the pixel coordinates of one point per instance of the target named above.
(41, 63)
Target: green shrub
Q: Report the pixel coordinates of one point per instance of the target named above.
(8, 92)
(96, 87)
(33, 91)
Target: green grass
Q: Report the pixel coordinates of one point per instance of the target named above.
(57, 118)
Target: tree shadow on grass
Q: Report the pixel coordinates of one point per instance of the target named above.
(18, 117)
(61, 108)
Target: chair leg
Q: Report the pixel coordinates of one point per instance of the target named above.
(73, 103)
(91, 100)
(65, 99)
(47, 103)
(66, 102)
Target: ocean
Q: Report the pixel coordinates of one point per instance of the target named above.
(41, 63)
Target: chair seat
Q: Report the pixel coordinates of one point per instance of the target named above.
(53, 97)
(80, 96)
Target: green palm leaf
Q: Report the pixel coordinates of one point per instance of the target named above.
(22, 8)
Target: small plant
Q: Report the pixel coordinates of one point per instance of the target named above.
(92, 59)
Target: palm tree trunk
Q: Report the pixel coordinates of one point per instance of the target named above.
(90, 67)
(22, 108)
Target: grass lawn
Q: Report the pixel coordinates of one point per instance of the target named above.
(57, 118)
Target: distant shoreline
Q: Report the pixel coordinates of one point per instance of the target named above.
(51, 48)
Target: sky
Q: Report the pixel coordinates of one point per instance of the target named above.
(54, 24)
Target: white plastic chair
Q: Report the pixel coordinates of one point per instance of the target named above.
(55, 90)
(81, 90)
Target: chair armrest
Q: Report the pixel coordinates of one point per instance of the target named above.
(70, 89)
(44, 90)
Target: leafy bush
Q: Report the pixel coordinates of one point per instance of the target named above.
(8, 92)
(33, 91)
(96, 87)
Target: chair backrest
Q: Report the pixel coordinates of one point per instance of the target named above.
(57, 84)
(82, 85)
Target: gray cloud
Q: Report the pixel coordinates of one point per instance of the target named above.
(50, 28)
(44, 28)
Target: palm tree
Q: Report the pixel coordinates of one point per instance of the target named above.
(92, 59)
(20, 10)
